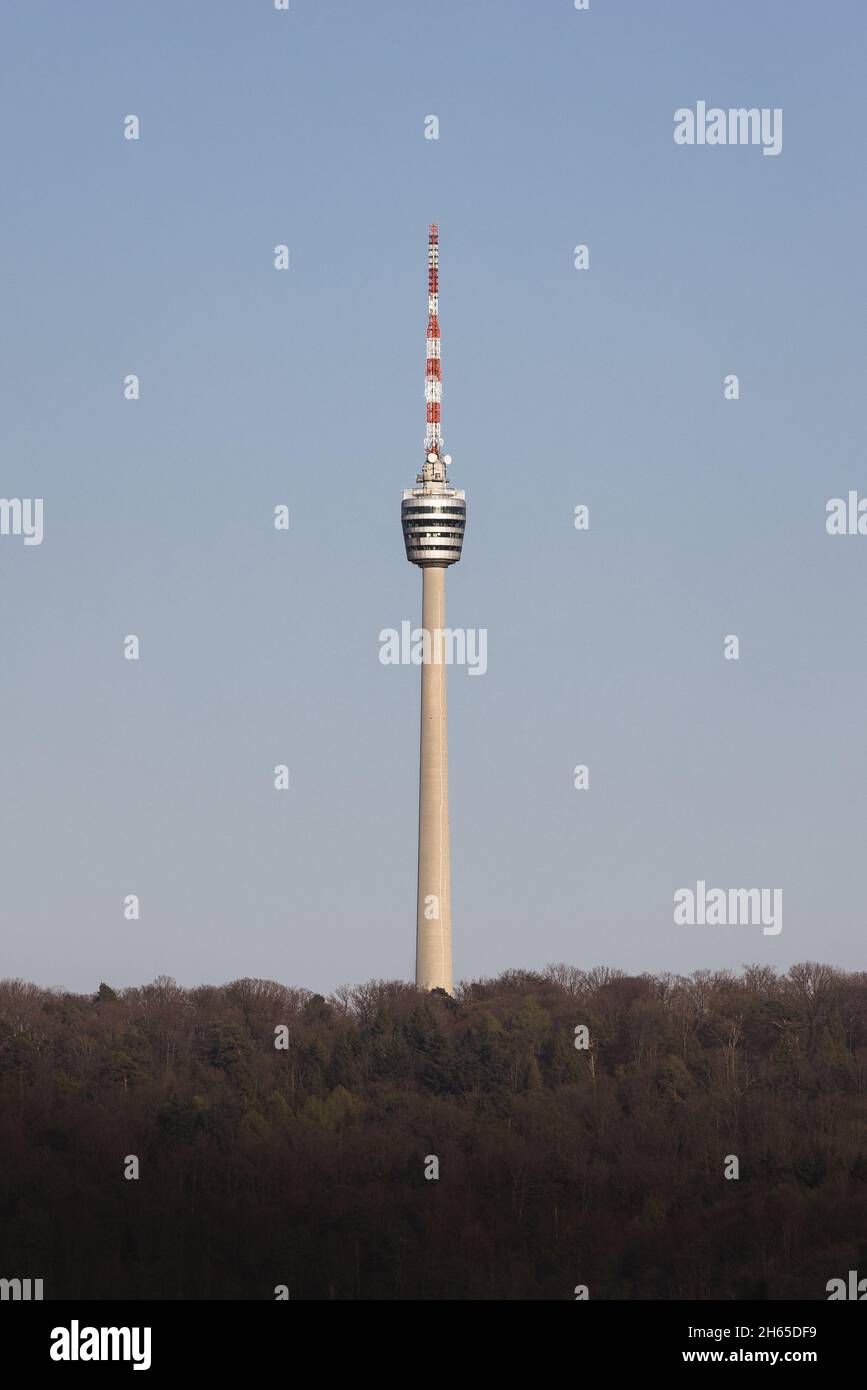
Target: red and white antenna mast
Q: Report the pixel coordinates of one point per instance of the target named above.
(433, 380)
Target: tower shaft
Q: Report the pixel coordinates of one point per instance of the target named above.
(433, 955)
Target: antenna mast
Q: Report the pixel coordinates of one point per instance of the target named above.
(433, 380)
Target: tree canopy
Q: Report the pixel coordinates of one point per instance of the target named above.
(305, 1164)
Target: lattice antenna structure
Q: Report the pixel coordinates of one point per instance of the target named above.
(433, 375)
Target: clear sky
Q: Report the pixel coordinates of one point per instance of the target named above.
(305, 387)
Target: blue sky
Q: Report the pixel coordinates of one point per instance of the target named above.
(561, 387)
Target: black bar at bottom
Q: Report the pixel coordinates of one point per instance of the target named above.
(225, 1338)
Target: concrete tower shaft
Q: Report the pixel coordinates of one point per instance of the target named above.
(433, 944)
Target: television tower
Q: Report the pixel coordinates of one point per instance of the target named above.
(433, 516)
